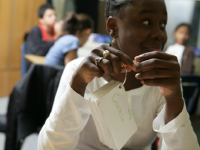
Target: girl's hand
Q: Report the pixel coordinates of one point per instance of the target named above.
(160, 69)
(87, 70)
(58, 29)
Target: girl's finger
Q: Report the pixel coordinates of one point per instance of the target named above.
(167, 83)
(122, 56)
(92, 70)
(156, 63)
(115, 62)
(106, 67)
(157, 73)
(155, 54)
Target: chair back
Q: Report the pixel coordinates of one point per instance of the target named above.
(23, 60)
(191, 91)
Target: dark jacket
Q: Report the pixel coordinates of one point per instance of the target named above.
(35, 44)
(187, 61)
(30, 103)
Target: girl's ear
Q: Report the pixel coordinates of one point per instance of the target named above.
(111, 26)
(88, 31)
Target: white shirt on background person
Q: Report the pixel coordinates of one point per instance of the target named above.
(176, 50)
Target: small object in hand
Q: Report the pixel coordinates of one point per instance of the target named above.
(106, 53)
(97, 60)
(136, 63)
(123, 66)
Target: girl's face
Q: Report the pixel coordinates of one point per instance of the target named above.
(141, 28)
(182, 34)
(83, 36)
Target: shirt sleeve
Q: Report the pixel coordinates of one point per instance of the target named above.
(178, 134)
(74, 44)
(35, 44)
(69, 116)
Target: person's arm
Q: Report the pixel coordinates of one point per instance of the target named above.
(68, 117)
(69, 56)
(163, 70)
(35, 44)
(71, 112)
(177, 134)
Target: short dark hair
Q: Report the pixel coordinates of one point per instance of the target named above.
(183, 24)
(115, 7)
(75, 23)
(43, 8)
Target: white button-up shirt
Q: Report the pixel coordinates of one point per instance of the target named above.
(70, 125)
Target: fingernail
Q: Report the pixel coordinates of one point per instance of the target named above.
(142, 81)
(136, 63)
(137, 75)
(138, 57)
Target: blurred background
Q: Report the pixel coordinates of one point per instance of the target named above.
(17, 17)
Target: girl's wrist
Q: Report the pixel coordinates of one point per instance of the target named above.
(78, 86)
(175, 98)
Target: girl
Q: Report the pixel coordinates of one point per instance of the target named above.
(75, 31)
(184, 53)
(152, 87)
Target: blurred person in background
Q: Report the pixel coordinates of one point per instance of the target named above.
(41, 37)
(184, 54)
(73, 32)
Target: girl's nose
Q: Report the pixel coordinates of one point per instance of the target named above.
(158, 34)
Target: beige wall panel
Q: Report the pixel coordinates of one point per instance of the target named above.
(3, 83)
(16, 18)
(37, 4)
(21, 19)
(18, 33)
(29, 8)
(5, 22)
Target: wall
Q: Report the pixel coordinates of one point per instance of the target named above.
(16, 18)
(101, 19)
(178, 12)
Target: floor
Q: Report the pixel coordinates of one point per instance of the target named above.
(31, 141)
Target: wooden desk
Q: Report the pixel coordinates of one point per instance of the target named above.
(35, 59)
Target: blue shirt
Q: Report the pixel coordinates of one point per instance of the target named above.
(57, 52)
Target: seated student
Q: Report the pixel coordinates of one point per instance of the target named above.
(184, 54)
(152, 87)
(75, 30)
(41, 37)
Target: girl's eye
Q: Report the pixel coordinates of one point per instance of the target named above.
(146, 22)
(163, 25)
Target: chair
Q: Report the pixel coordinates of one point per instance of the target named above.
(3, 123)
(30, 103)
(191, 91)
(23, 60)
